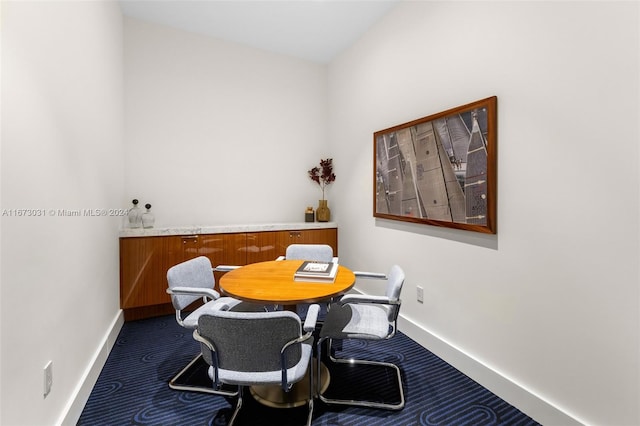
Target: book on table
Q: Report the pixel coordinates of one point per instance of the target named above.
(316, 271)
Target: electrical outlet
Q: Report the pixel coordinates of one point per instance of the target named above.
(48, 378)
(420, 294)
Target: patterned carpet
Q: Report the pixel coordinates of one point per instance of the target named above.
(132, 388)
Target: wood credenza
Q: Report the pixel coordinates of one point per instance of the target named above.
(144, 260)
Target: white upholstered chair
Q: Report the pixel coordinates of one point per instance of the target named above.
(315, 252)
(365, 317)
(188, 282)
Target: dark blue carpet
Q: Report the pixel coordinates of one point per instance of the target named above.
(132, 388)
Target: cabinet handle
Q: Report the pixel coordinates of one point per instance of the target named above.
(294, 234)
(186, 238)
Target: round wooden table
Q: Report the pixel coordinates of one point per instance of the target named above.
(272, 282)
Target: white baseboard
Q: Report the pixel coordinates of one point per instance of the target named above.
(73, 410)
(526, 401)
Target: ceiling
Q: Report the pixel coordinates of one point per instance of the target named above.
(315, 30)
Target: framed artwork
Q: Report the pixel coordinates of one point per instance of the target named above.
(439, 170)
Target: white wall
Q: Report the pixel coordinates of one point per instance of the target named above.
(218, 133)
(551, 302)
(61, 149)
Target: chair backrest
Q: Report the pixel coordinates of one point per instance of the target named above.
(251, 341)
(196, 273)
(395, 281)
(317, 252)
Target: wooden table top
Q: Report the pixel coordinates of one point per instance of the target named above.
(272, 282)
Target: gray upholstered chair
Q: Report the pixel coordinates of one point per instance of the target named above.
(262, 348)
(365, 317)
(188, 282)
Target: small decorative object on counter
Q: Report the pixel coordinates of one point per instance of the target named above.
(323, 176)
(309, 216)
(135, 215)
(147, 217)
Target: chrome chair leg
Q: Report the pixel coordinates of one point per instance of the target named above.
(174, 383)
(355, 362)
(311, 391)
(238, 406)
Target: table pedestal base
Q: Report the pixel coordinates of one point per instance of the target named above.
(274, 396)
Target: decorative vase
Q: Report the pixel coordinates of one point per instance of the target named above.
(147, 217)
(323, 214)
(135, 215)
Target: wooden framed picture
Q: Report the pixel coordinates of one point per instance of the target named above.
(440, 170)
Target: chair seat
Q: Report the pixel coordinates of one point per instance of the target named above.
(191, 320)
(294, 373)
(356, 321)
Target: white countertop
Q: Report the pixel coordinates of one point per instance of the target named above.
(223, 229)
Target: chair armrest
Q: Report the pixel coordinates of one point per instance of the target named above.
(212, 353)
(309, 327)
(311, 319)
(361, 298)
(197, 337)
(222, 306)
(280, 258)
(225, 268)
(374, 275)
(191, 291)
